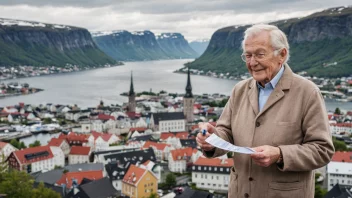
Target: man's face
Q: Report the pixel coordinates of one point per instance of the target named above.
(262, 64)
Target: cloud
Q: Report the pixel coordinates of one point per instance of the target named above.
(193, 18)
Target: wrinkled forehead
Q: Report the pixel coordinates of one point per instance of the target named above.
(255, 41)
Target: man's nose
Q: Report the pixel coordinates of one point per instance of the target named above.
(253, 61)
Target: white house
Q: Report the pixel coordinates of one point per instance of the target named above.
(101, 141)
(212, 174)
(161, 150)
(6, 149)
(61, 143)
(36, 159)
(168, 121)
(79, 155)
(179, 159)
(341, 127)
(339, 172)
(170, 138)
(97, 125)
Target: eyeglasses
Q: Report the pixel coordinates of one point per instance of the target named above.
(257, 56)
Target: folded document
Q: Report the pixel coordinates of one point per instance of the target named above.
(222, 144)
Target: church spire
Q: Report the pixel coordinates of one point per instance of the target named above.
(188, 86)
(131, 87)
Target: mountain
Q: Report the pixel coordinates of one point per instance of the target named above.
(320, 44)
(143, 45)
(129, 46)
(175, 45)
(40, 44)
(199, 45)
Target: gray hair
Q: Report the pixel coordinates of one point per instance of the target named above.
(278, 37)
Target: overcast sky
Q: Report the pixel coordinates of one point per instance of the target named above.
(195, 19)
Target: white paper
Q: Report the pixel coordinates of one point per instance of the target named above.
(222, 144)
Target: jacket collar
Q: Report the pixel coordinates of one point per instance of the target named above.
(284, 84)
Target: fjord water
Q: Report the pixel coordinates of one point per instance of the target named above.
(87, 88)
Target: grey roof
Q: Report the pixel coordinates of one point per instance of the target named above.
(51, 177)
(101, 188)
(338, 191)
(167, 116)
(189, 143)
(132, 157)
(189, 193)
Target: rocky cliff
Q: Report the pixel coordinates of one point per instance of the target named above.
(176, 46)
(39, 44)
(143, 45)
(320, 44)
(129, 46)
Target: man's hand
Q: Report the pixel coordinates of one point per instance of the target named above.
(265, 155)
(201, 138)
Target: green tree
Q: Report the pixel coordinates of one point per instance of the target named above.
(22, 145)
(170, 180)
(153, 195)
(15, 143)
(339, 145)
(338, 111)
(20, 184)
(43, 192)
(47, 121)
(35, 144)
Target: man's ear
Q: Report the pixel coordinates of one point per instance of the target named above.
(283, 55)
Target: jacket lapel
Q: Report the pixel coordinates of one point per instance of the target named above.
(278, 92)
(253, 96)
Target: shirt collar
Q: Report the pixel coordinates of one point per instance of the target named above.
(275, 80)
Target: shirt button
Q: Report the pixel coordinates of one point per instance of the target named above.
(257, 124)
(246, 195)
(250, 179)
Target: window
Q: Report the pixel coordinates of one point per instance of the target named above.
(205, 168)
(215, 168)
(195, 175)
(221, 169)
(193, 168)
(199, 168)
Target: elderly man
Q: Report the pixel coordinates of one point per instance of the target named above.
(280, 115)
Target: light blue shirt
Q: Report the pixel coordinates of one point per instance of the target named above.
(264, 92)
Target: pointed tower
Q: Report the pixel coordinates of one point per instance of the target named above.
(131, 98)
(188, 100)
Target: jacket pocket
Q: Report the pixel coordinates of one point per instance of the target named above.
(289, 189)
(233, 186)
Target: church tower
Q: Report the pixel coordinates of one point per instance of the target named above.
(188, 100)
(131, 98)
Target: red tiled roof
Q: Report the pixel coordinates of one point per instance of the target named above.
(146, 163)
(158, 146)
(164, 136)
(105, 117)
(20, 154)
(133, 114)
(68, 177)
(182, 135)
(133, 175)
(349, 125)
(178, 154)
(342, 156)
(56, 142)
(80, 150)
(198, 106)
(139, 129)
(105, 136)
(3, 144)
(202, 161)
(74, 137)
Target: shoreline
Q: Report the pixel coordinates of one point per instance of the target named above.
(59, 73)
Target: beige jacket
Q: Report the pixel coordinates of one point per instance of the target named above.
(293, 118)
